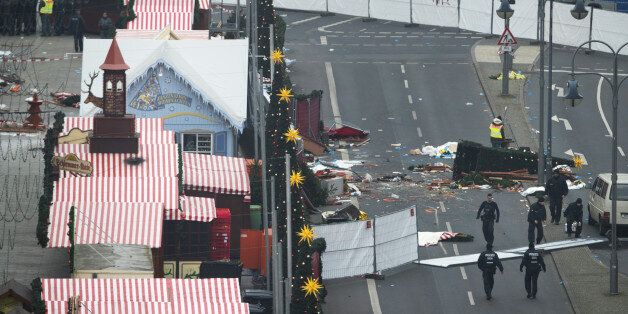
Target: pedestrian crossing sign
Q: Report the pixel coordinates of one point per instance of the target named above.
(507, 38)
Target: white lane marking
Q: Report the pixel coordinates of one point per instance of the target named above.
(418, 130)
(448, 226)
(373, 296)
(332, 92)
(405, 83)
(463, 272)
(442, 207)
(561, 91)
(323, 40)
(456, 249)
(403, 69)
(567, 124)
(305, 20)
(436, 216)
(471, 301)
(414, 115)
(599, 106)
(410, 98)
(323, 28)
(621, 151)
(442, 247)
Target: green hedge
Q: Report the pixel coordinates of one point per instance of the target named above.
(473, 157)
(39, 306)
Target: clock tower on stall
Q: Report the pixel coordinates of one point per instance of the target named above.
(114, 130)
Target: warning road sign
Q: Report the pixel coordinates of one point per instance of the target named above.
(507, 38)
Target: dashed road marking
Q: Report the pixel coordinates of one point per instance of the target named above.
(448, 226)
(442, 207)
(410, 98)
(621, 151)
(414, 115)
(373, 296)
(405, 83)
(306, 20)
(418, 130)
(403, 69)
(456, 248)
(463, 272)
(323, 40)
(442, 247)
(471, 301)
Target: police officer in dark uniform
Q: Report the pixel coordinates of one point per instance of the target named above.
(573, 214)
(77, 27)
(487, 263)
(30, 9)
(556, 188)
(533, 262)
(536, 216)
(58, 15)
(489, 212)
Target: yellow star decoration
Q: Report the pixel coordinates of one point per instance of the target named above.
(277, 56)
(285, 94)
(311, 286)
(296, 178)
(578, 162)
(292, 135)
(306, 234)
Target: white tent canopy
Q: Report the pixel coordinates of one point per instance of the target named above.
(216, 70)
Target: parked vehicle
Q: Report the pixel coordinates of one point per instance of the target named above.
(599, 203)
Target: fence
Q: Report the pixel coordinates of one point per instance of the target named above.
(478, 16)
(363, 247)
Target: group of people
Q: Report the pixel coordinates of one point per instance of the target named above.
(17, 17)
(488, 262)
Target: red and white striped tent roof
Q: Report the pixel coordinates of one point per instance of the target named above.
(117, 190)
(215, 295)
(160, 161)
(203, 4)
(151, 129)
(215, 174)
(110, 223)
(194, 209)
(156, 14)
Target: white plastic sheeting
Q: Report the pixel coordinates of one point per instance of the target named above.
(393, 10)
(476, 16)
(430, 13)
(350, 7)
(307, 5)
(396, 240)
(349, 249)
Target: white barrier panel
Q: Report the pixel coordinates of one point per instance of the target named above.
(349, 7)
(438, 13)
(395, 239)
(475, 15)
(568, 30)
(349, 249)
(393, 10)
(609, 27)
(307, 5)
(523, 23)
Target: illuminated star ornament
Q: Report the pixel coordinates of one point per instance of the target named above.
(292, 135)
(578, 162)
(306, 234)
(311, 286)
(285, 94)
(296, 178)
(277, 56)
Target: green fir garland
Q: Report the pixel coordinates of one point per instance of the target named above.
(71, 236)
(39, 306)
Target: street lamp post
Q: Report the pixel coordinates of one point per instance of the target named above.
(593, 6)
(505, 12)
(574, 96)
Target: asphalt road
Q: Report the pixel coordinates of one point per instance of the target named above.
(414, 86)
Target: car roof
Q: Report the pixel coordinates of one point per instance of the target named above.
(621, 177)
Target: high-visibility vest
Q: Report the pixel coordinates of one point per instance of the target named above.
(47, 8)
(496, 131)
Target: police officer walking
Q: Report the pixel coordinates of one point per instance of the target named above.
(497, 133)
(536, 216)
(77, 27)
(556, 189)
(488, 262)
(489, 212)
(573, 214)
(533, 262)
(30, 24)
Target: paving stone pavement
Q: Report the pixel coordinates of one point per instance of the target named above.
(49, 68)
(586, 281)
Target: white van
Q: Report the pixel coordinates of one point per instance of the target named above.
(599, 204)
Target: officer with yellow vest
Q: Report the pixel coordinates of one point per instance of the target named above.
(497, 133)
(45, 12)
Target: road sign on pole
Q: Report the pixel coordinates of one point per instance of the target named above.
(507, 38)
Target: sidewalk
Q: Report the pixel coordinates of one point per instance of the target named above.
(585, 280)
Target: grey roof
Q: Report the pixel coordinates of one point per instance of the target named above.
(17, 288)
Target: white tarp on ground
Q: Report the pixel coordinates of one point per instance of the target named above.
(427, 238)
(349, 249)
(395, 240)
(431, 13)
(392, 10)
(215, 69)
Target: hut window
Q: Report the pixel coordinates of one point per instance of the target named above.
(119, 86)
(109, 86)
